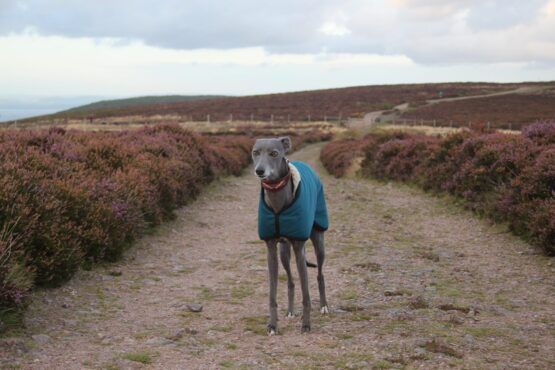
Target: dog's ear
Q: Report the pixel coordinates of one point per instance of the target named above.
(286, 141)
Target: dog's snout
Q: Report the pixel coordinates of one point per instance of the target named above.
(259, 171)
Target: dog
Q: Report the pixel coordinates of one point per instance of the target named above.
(292, 209)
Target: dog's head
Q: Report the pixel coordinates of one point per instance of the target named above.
(269, 157)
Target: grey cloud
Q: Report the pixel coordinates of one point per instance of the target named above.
(503, 14)
(428, 31)
(171, 23)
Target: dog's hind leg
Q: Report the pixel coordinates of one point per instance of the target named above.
(285, 256)
(317, 238)
(298, 247)
(273, 279)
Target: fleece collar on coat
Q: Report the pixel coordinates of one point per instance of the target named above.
(295, 177)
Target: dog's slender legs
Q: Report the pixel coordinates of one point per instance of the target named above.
(273, 278)
(298, 247)
(317, 238)
(285, 256)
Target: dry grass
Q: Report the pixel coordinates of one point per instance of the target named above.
(209, 127)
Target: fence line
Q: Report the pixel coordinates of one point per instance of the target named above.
(270, 118)
(451, 123)
(287, 118)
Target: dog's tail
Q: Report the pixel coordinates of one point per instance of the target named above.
(310, 264)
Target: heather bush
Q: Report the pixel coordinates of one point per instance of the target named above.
(15, 278)
(82, 197)
(509, 178)
(484, 166)
(542, 133)
(338, 156)
(530, 200)
(400, 159)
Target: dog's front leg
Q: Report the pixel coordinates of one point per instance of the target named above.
(298, 247)
(273, 279)
(285, 256)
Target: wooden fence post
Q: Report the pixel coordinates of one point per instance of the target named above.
(231, 117)
(309, 118)
(272, 118)
(252, 117)
(208, 118)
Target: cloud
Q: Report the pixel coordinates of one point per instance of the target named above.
(425, 31)
(334, 29)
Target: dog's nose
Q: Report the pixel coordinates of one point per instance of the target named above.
(259, 172)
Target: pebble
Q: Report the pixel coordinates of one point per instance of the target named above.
(469, 339)
(177, 335)
(158, 341)
(392, 293)
(418, 302)
(194, 307)
(41, 338)
(149, 282)
(419, 353)
(456, 319)
(70, 322)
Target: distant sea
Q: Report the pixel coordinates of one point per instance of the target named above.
(11, 114)
(25, 106)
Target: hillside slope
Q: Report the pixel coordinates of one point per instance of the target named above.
(138, 101)
(303, 105)
(502, 111)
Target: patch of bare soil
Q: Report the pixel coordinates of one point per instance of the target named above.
(413, 282)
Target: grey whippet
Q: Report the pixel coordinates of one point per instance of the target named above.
(280, 182)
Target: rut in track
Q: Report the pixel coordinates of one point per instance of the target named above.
(412, 282)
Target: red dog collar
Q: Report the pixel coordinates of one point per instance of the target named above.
(278, 184)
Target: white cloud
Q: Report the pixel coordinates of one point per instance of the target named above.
(101, 66)
(334, 29)
(62, 52)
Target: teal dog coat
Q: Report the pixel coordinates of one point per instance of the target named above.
(296, 221)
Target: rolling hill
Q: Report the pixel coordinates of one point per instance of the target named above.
(138, 101)
(303, 105)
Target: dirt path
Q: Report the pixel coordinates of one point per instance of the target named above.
(412, 282)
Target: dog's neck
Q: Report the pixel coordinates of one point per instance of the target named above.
(279, 199)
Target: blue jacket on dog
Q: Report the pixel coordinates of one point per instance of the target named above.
(296, 221)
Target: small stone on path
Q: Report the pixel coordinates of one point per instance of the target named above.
(41, 338)
(393, 292)
(194, 307)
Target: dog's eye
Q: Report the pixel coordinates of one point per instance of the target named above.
(274, 153)
(256, 152)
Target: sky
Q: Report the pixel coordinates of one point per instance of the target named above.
(117, 48)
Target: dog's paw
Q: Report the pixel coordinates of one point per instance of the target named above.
(324, 310)
(305, 329)
(272, 330)
(289, 315)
